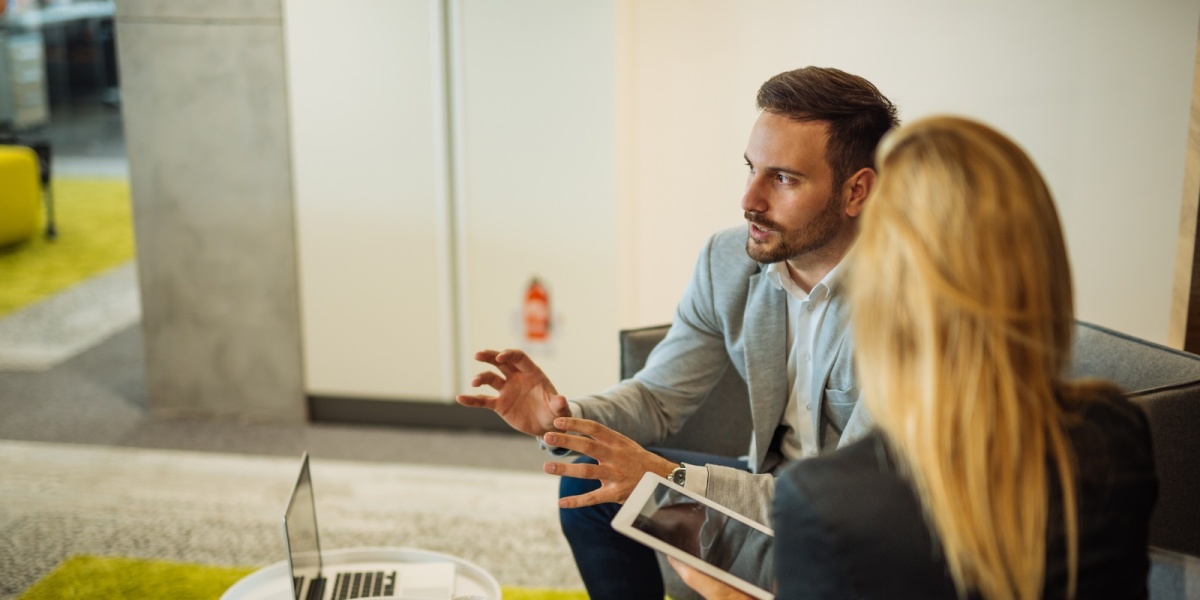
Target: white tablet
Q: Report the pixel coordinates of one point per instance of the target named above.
(698, 532)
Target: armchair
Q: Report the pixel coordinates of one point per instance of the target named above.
(1163, 381)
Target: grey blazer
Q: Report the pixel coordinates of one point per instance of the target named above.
(732, 316)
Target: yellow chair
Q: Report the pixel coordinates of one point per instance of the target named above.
(20, 195)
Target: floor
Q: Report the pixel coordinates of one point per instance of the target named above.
(62, 500)
(99, 397)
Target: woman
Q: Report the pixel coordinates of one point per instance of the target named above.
(990, 475)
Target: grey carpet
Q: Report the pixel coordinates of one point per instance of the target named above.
(59, 499)
(44, 334)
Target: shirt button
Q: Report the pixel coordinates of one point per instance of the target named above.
(811, 307)
(808, 406)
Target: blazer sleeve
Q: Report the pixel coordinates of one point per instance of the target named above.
(804, 544)
(745, 493)
(679, 372)
(848, 525)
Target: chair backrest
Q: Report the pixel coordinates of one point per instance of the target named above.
(1166, 384)
(722, 425)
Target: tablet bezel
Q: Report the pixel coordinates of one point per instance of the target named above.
(623, 523)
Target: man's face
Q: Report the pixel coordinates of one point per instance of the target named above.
(791, 202)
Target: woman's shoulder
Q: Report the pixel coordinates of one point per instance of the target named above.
(1111, 437)
(850, 472)
(1108, 405)
(1108, 417)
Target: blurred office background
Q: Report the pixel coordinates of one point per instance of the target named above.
(337, 203)
(59, 81)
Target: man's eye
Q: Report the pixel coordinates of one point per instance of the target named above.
(781, 178)
(751, 167)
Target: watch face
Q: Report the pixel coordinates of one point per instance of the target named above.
(679, 476)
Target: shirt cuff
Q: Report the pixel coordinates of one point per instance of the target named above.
(697, 479)
(576, 412)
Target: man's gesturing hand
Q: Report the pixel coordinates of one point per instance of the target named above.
(527, 401)
(622, 461)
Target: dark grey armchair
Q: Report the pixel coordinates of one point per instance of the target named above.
(1163, 381)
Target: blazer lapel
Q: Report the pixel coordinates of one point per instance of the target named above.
(765, 332)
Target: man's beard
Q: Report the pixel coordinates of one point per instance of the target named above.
(814, 235)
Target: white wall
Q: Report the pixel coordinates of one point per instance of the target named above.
(1097, 92)
(596, 145)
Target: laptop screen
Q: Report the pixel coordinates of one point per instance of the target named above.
(300, 531)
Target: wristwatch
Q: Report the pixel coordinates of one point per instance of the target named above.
(679, 476)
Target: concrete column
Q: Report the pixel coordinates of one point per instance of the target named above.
(205, 109)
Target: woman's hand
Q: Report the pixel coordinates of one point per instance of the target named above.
(706, 586)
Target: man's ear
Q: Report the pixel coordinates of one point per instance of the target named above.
(857, 189)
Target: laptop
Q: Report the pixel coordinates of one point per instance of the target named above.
(311, 580)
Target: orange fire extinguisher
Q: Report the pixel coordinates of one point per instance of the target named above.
(536, 312)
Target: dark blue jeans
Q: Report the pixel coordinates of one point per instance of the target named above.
(614, 567)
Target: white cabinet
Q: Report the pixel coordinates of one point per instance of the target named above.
(444, 155)
(366, 98)
(536, 187)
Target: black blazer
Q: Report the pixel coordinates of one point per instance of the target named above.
(847, 525)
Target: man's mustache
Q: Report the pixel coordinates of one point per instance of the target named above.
(761, 221)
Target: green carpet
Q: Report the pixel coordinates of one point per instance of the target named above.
(95, 233)
(111, 578)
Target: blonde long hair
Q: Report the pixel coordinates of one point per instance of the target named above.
(963, 316)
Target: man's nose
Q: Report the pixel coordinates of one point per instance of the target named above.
(754, 200)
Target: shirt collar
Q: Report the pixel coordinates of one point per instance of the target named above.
(779, 277)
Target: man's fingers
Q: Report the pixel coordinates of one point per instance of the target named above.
(491, 379)
(576, 470)
(477, 401)
(588, 499)
(499, 359)
(577, 443)
(587, 427)
(519, 361)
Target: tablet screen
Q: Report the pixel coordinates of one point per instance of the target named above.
(708, 534)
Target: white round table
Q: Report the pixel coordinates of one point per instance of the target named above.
(273, 582)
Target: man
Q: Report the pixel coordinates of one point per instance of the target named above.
(764, 299)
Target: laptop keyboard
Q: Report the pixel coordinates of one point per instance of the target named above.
(366, 584)
(317, 589)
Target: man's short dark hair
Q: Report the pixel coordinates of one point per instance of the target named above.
(857, 114)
